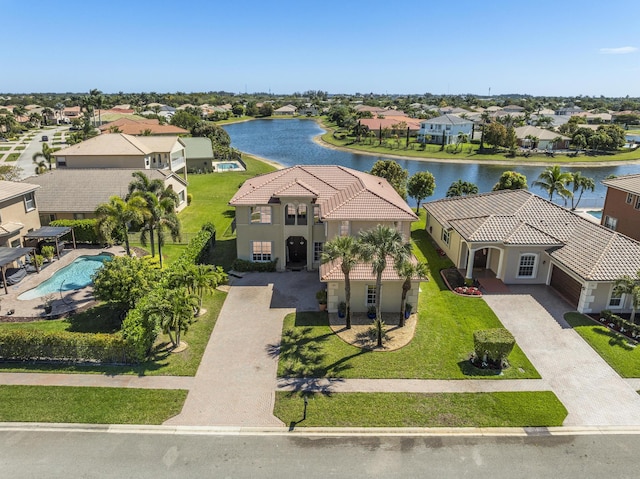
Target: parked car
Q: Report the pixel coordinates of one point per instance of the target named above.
(45, 138)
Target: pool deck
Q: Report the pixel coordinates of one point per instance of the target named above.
(63, 303)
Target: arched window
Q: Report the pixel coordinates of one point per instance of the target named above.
(290, 214)
(302, 214)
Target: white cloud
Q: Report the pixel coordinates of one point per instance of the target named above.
(618, 51)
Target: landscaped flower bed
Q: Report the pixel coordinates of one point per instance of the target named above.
(456, 283)
(619, 325)
(468, 290)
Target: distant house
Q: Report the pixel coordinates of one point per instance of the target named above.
(288, 215)
(142, 126)
(76, 193)
(569, 110)
(522, 238)
(285, 110)
(513, 109)
(199, 154)
(444, 129)
(392, 123)
(622, 205)
(18, 212)
(119, 150)
(534, 137)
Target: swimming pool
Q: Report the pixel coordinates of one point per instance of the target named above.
(596, 213)
(76, 275)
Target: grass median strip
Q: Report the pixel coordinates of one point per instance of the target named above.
(89, 405)
(503, 409)
(614, 348)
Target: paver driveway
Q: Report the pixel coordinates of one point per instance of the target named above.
(590, 389)
(236, 381)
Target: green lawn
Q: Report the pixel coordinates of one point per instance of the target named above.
(506, 409)
(89, 405)
(439, 350)
(468, 151)
(5, 148)
(19, 148)
(12, 157)
(101, 319)
(614, 348)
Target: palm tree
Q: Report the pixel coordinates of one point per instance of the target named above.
(155, 194)
(97, 99)
(117, 214)
(174, 311)
(461, 139)
(380, 245)
(554, 180)
(47, 155)
(160, 216)
(205, 279)
(630, 286)
(46, 114)
(581, 183)
(486, 118)
(345, 249)
(462, 188)
(409, 271)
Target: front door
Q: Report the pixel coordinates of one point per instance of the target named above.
(480, 258)
(297, 250)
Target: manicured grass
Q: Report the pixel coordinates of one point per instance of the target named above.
(12, 157)
(440, 349)
(466, 152)
(505, 409)
(162, 362)
(89, 405)
(614, 348)
(19, 148)
(5, 148)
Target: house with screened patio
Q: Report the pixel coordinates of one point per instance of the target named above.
(289, 214)
(521, 238)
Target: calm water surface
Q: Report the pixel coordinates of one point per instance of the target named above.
(290, 142)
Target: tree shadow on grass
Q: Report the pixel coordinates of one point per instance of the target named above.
(468, 369)
(104, 318)
(615, 339)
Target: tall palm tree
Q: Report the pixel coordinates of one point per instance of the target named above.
(174, 310)
(581, 183)
(345, 249)
(156, 196)
(630, 286)
(205, 278)
(379, 245)
(462, 188)
(47, 155)
(554, 180)
(409, 270)
(165, 219)
(46, 114)
(117, 214)
(97, 99)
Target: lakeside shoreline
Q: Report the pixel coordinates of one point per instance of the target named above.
(506, 162)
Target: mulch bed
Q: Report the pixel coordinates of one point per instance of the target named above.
(456, 283)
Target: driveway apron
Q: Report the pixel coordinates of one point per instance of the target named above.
(593, 393)
(236, 381)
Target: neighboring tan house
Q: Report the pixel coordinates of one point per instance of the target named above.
(18, 212)
(289, 214)
(534, 137)
(119, 150)
(144, 126)
(444, 129)
(199, 154)
(622, 205)
(522, 238)
(74, 194)
(285, 110)
(377, 125)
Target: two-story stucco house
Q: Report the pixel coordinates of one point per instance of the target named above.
(119, 150)
(18, 212)
(622, 205)
(522, 238)
(289, 214)
(444, 129)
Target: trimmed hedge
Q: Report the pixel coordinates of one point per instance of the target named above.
(32, 345)
(625, 326)
(85, 230)
(493, 345)
(242, 265)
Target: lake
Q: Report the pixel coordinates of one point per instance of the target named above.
(290, 142)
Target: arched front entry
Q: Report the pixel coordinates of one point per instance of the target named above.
(296, 252)
(486, 261)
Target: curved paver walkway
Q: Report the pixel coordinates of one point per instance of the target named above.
(593, 393)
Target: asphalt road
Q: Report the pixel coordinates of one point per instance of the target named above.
(59, 454)
(26, 158)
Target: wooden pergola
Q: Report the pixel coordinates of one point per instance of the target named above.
(52, 233)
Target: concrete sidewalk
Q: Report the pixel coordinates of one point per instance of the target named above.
(593, 393)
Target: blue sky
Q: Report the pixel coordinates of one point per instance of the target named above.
(561, 47)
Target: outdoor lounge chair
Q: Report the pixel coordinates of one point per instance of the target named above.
(15, 275)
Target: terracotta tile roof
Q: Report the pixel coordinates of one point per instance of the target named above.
(332, 271)
(447, 119)
(389, 121)
(591, 251)
(627, 183)
(131, 126)
(341, 192)
(120, 144)
(540, 133)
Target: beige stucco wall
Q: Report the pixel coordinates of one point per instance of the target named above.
(596, 297)
(512, 260)
(391, 295)
(105, 161)
(355, 227)
(14, 211)
(180, 189)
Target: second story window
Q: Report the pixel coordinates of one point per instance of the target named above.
(302, 214)
(261, 214)
(30, 201)
(344, 228)
(317, 218)
(290, 215)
